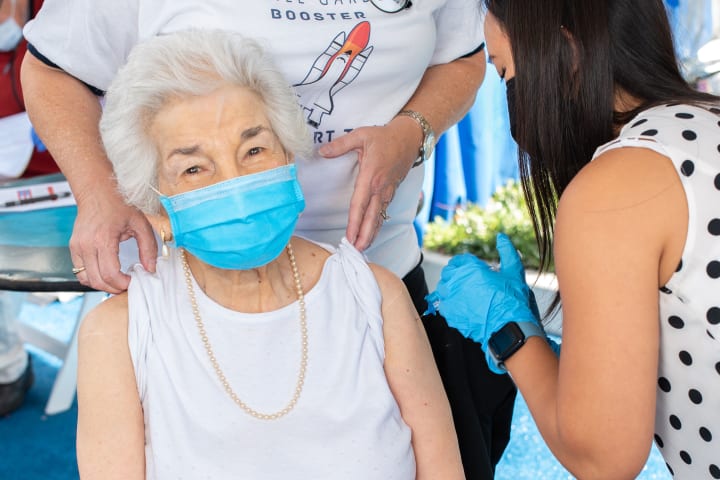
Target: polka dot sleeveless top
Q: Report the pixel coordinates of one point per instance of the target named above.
(687, 420)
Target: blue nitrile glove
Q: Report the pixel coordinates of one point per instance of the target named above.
(479, 301)
(536, 312)
(39, 145)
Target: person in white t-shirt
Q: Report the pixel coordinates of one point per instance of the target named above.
(249, 352)
(355, 66)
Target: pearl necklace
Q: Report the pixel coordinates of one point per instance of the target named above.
(216, 366)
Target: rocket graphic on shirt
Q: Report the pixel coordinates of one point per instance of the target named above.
(334, 69)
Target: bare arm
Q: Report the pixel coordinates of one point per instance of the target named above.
(446, 93)
(110, 434)
(66, 114)
(386, 153)
(416, 385)
(620, 229)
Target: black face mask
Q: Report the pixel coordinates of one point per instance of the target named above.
(510, 92)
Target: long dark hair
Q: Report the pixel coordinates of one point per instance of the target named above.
(570, 58)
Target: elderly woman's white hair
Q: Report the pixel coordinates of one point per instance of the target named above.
(182, 64)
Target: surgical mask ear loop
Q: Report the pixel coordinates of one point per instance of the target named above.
(156, 190)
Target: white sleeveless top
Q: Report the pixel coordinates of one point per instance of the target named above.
(687, 420)
(346, 424)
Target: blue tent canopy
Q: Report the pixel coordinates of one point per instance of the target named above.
(472, 158)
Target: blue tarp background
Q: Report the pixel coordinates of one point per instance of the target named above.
(473, 157)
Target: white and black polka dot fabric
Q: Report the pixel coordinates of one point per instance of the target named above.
(687, 420)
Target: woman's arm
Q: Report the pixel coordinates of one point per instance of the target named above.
(66, 115)
(415, 383)
(111, 432)
(619, 233)
(446, 92)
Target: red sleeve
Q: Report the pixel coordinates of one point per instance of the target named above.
(12, 102)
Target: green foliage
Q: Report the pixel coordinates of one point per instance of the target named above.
(473, 229)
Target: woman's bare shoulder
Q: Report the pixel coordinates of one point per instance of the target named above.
(621, 178)
(387, 280)
(110, 317)
(626, 207)
(395, 296)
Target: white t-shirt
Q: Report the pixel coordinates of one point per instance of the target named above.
(346, 424)
(687, 419)
(385, 54)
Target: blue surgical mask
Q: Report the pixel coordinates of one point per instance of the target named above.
(510, 93)
(10, 32)
(238, 224)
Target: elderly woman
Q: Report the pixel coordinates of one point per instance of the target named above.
(250, 353)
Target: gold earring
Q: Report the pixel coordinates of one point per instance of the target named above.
(165, 249)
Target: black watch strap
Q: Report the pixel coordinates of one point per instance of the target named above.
(508, 340)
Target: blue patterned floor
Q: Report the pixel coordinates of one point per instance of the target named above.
(528, 458)
(34, 446)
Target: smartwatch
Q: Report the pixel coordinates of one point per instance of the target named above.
(428, 143)
(508, 340)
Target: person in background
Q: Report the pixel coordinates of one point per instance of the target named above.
(377, 80)
(13, 16)
(16, 374)
(621, 167)
(249, 352)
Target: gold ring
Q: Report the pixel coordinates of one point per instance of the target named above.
(384, 215)
(77, 270)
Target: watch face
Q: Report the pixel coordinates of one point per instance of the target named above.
(506, 341)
